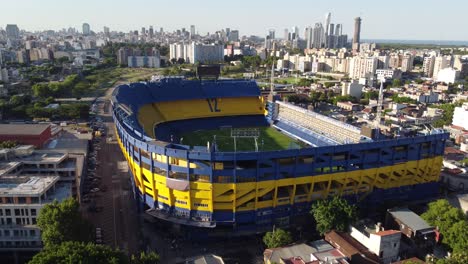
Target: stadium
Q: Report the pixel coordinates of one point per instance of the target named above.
(214, 154)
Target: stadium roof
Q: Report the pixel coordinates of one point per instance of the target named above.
(22, 129)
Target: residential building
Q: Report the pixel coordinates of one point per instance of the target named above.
(407, 63)
(460, 116)
(357, 33)
(86, 29)
(447, 75)
(22, 198)
(144, 61)
(12, 31)
(383, 243)
(417, 233)
(206, 53)
(352, 88)
(428, 66)
(441, 63)
(317, 36)
(234, 36)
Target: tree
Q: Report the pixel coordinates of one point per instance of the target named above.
(304, 82)
(277, 238)
(396, 83)
(61, 222)
(456, 258)
(72, 252)
(335, 213)
(145, 258)
(180, 61)
(451, 223)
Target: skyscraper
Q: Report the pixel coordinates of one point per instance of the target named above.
(327, 23)
(271, 34)
(318, 36)
(106, 31)
(286, 34)
(192, 30)
(339, 29)
(12, 31)
(151, 32)
(295, 30)
(86, 29)
(143, 31)
(357, 33)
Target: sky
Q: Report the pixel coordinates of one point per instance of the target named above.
(396, 19)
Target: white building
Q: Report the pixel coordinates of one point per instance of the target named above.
(22, 199)
(441, 63)
(383, 243)
(428, 66)
(354, 89)
(362, 67)
(205, 53)
(144, 61)
(447, 75)
(460, 116)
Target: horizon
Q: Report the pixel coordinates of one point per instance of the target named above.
(413, 21)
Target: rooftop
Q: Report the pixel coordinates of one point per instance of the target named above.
(26, 185)
(7, 167)
(22, 129)
(409, 218)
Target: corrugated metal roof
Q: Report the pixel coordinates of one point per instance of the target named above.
(409, 218)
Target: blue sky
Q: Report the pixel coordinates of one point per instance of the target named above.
(396, 19)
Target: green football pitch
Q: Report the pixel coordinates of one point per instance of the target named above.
(269, 139)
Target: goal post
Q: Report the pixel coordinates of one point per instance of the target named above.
(245, 133)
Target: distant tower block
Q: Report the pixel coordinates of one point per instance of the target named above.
(357, 33)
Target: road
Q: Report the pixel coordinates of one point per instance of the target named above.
(118, 218)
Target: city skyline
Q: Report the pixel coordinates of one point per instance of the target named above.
(376, 24)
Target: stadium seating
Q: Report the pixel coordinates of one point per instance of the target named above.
(152, 115)
(304, 134)
(321, 125)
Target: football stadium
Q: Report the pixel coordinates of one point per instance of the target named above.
(215, 154)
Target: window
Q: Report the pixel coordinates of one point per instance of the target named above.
(8, 221)
(32, 232)
(1, 211)
(7, 212)
(33, 212)
(18, 221)
(15, 233)
(34, 221)
(22, 200)
(17, 212)
(7, 232)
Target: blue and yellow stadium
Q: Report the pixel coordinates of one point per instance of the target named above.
(176, 136)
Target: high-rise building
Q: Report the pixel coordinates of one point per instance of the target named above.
(308, 37)
(286, 34)
(339, 29)
(143, 31)
(271, 34)
(428, 66)
(234, 35)
(295, 30)
(12, 31)
(192, 30)
(151, 32)
(86, 29)
(318, 36)
(327, 24)
(441, 63)
(357, 33)
(106, 31)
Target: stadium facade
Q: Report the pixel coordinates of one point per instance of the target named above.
(199, 186)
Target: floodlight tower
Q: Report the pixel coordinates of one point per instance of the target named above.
(379, 103)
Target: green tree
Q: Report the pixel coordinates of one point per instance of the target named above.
(305, 82)
(451, 223)
(145, 258)
(396, 83)
(61, 222)
(277, 238)
(335, 213)
(72, 252)
(41, 90)
(456, 258)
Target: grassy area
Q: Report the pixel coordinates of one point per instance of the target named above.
(103, 79)
(272, 140)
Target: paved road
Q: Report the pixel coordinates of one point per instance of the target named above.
(118, 217)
